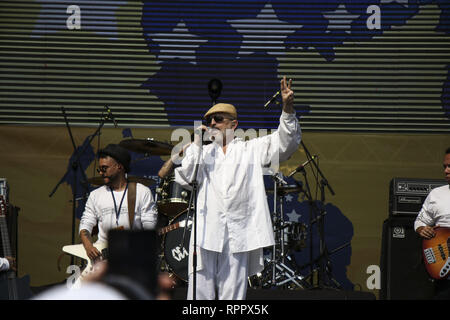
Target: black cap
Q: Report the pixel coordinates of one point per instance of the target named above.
(118, 153)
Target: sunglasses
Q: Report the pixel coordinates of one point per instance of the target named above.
(217, 118)
(103, 169)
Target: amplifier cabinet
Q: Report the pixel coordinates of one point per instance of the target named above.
(406, 195)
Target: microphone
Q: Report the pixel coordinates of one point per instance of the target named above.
(110, 116)
(302, 166)
(272, 99)
(207, 138)
(279, 179)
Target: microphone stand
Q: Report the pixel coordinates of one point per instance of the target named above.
(323, 260)
(193, 198)
(75, 165)
(308, 155)
(311, 204)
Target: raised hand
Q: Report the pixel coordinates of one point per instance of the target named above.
(287, 95)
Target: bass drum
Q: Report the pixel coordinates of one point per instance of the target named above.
(172, 197)
(176, 255)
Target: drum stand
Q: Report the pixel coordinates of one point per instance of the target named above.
(277, 273)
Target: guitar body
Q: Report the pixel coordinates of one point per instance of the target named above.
(21, 285)
(78, 250)
(436, 254)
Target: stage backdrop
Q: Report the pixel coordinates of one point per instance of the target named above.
(371, 82)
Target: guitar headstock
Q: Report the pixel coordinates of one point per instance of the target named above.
(3, 206)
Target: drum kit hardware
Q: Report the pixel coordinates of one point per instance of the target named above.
(289, 236)
(147, 146)
(283, 190)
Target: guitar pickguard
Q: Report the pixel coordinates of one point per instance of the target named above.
(445, 269)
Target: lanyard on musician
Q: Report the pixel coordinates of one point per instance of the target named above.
(120, 206)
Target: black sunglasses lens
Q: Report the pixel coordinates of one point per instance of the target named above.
(217, 118)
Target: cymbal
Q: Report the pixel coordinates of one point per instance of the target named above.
(286, 189)
(98, 181)
(148, 146)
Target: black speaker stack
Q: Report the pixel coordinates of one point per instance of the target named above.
(403, 274)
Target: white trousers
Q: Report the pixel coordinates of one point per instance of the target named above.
(224, 272)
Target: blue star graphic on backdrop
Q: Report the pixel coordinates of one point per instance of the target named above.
(265, 32)
(240, 43)
(401, 2)
(293, 216)
(340, 19)
(178, 43)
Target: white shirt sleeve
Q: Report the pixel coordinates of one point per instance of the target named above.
(426, 215)
(185, 173)
(4, 264)
(149, 213)
(281, 144)
(89, 219)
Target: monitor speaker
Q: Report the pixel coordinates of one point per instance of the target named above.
(403, 273)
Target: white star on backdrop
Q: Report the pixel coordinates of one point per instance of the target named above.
(265, 32)
(178, 44)
(288, 197)
(293, 216)
(402, 2)
(340, 19)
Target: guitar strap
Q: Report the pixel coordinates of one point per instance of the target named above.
(131, 202)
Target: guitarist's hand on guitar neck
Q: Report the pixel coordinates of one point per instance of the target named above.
(427, 232)
(91, 251)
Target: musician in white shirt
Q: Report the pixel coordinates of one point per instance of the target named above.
(233, 218)
(436, 207)
(435, 213)
(107, 205)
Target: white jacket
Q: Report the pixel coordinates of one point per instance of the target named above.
(231, 190)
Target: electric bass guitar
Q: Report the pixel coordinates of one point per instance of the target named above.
(78, 250)
(11, 287)
(436, 254)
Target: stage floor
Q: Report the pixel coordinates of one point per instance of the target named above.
(285, 294)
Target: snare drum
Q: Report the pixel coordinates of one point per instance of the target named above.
(176, 254)
(172, 197)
